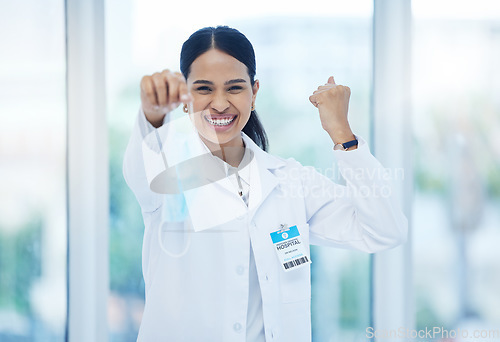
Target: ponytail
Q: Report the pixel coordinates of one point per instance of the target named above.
(256, 132)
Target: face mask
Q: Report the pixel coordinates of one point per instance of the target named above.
(173, 233)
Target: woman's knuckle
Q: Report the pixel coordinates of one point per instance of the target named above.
(159, 83)
(145, 79)
(147, 86)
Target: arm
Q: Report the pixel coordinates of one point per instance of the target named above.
(134, 168)
(363, 214)
(160, 94)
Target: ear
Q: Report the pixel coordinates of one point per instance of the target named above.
(255, 89)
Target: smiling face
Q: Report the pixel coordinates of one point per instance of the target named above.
(223, 97)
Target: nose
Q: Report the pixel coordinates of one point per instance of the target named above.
(220, 103)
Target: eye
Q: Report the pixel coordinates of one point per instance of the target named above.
(235, 89)
(203, 89)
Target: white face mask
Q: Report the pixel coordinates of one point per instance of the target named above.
(185, 174)
(174, 235)
(174, 232)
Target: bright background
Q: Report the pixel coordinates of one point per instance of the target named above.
(33, 227)
(455, 218)
(456, 127)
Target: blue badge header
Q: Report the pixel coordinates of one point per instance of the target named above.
(288, 234)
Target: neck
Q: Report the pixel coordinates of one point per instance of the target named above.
(231, 152)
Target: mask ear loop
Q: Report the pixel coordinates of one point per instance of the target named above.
(164, 223)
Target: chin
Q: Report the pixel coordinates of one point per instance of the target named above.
(219, 138)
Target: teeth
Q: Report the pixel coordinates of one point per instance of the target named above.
(220, 122)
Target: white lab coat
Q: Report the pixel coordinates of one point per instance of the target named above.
(202, 295)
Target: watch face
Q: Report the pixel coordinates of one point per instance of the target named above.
(338, 147)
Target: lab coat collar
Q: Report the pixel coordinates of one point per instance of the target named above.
(265, 159)
(242, 168)
(218, 202)
(262, 170)
(265, 162)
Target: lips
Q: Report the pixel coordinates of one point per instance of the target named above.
(220, 119)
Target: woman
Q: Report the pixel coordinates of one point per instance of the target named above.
(227, 225)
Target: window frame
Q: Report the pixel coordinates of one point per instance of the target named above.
(392, 285)
(87, 172)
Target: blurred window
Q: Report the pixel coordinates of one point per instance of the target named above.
(456, 122)
(33, 227)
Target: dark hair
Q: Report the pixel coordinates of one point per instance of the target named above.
(235, 44)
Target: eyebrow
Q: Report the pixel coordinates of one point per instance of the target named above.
(237, 80)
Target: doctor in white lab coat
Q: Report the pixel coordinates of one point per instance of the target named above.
(212, 198)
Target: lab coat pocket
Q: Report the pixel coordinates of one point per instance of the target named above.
(173, 235)
(295, 285)
(173, 239)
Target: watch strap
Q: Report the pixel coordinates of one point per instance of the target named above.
(345, 146)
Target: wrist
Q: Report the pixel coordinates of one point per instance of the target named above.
(344, 140)
(341, 135)
(155, 121)
(156, 124)
(347, 146)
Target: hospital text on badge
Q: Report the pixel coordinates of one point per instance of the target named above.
(289, 248)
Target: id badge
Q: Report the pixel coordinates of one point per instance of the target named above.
(290, 248)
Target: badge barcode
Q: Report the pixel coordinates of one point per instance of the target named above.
(295, 262)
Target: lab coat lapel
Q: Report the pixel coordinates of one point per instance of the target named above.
(262, 177)
(216, 202)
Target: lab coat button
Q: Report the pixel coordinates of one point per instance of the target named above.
(237, 327)
(240, 270)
